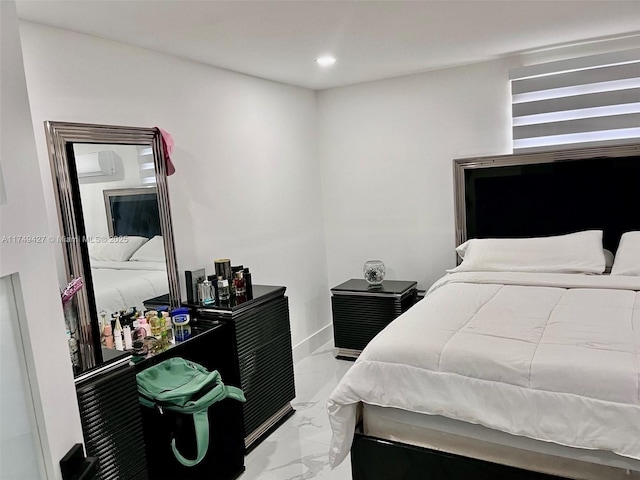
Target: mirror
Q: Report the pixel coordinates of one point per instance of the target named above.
(114, 213)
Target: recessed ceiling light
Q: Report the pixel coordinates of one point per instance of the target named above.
(326, 61)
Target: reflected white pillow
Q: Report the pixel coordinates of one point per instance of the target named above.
(152, 251)
(580, 252)
(627, 260)
(116, 249)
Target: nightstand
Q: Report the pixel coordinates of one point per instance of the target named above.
(361, 311)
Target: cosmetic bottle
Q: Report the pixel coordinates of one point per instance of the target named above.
(139, 333)
(214, 283)
(168, 327)
(222, 267)
(246, 274)
(235, 269)
(128, 341)
(183, 332)
(232, 282)
(180, 316)
(238, 283)
(117, 335)
(144, 323)
(108, 336)
(223, 289)
(200, 293)
(103, 321)
(208, 296)
(156, 327)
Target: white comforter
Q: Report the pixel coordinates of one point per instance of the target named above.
(554, 357)
(120, 285)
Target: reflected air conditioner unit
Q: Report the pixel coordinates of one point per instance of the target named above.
(96, 164)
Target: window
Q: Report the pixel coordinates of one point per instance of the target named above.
(586, 101)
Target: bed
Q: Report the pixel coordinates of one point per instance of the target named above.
(505, 370)
(129, 266)
(120, 285)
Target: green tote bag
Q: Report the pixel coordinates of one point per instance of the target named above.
(185, 387)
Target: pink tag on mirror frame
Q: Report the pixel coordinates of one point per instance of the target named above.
(168, 144)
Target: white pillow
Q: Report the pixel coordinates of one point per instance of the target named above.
(627, 260)
(115, 249)
(580, 252)
(152, 251)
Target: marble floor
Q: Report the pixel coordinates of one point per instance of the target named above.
(298, 449)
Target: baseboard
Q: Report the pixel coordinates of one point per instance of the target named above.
(312, 343)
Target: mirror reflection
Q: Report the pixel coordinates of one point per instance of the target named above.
(113, 204)
(122, 225)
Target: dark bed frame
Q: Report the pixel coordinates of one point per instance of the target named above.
(515, 196)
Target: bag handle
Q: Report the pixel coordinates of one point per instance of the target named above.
(217, 393)
(201, 424)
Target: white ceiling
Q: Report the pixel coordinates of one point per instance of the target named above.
(279, 40)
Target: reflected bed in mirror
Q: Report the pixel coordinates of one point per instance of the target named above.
(128, 266)
(113, 207)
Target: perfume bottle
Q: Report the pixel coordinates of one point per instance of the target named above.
(200, 293)
(239, 287)
(248, 285)
(156, 325)
(223, 289)
(208, 295)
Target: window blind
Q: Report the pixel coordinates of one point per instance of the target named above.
(586, 101)
(146, 165)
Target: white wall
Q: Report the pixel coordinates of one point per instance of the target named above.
(37, 309)
(386, 151)
(247, 184)
(275, 176)
(92, 194)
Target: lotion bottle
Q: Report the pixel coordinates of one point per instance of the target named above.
(128, 342)
(117, 335)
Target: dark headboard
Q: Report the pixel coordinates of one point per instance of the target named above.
(132, 211)
(551, 193)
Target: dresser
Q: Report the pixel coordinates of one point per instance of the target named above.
(263, 365)
(133, 442)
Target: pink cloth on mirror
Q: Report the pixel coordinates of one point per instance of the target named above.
(168, 144)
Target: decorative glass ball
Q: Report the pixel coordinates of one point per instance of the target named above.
(374, 271)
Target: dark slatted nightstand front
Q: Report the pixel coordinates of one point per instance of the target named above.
(361, 311)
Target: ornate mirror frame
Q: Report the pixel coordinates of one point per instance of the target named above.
(61, 136)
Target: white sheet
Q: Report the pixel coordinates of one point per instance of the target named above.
(120, 285)
(157, 266)
(554, 357)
